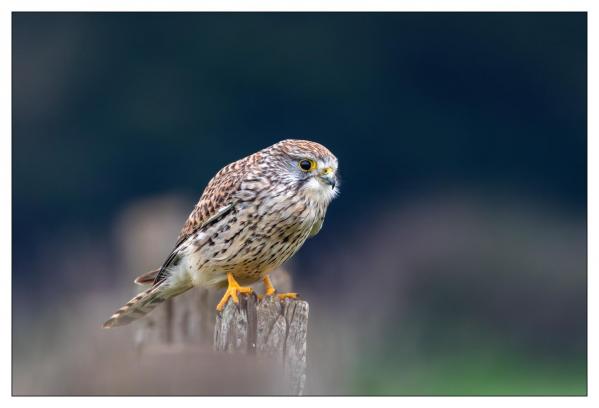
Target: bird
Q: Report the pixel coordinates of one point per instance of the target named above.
(252, 216)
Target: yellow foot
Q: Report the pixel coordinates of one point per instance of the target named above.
(290, 295)
(232, 292)
(270, 290)
(279, 295)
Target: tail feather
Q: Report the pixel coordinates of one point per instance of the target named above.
(141, 305)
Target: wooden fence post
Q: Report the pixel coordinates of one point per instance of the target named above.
(269, 327)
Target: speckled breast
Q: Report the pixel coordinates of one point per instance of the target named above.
(258, 235)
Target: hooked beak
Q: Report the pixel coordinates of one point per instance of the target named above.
(327, 176)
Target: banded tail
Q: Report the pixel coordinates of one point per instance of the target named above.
(143, 304)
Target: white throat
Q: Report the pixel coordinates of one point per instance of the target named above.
(319, 191)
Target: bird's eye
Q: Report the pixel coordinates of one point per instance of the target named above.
(307, 164)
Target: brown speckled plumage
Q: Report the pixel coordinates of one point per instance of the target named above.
(252, 216)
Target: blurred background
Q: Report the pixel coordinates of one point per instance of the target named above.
(453, 262)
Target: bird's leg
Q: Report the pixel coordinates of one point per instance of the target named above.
(232, 290)
(270, 290)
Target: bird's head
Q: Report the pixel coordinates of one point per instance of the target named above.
(310, 166)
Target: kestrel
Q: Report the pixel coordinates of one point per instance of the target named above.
(253, 215)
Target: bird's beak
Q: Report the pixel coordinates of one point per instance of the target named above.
(328, 177)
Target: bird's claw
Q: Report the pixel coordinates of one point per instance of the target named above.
(290, 295)
(271, 291)
(232, 292)
(281, 296)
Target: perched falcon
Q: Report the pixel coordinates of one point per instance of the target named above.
(253, 216)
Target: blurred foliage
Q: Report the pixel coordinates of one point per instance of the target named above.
(486, 370)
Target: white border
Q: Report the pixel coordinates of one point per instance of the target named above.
(305, 5)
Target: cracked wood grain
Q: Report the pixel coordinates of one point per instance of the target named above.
(271, 328)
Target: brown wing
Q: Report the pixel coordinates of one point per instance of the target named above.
(216, 200)
(217, 196)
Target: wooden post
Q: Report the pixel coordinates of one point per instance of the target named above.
(270, 330)
(270, 327)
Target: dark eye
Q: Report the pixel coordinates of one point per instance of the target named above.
(307, 165)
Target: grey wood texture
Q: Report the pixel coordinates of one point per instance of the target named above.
(269, 328)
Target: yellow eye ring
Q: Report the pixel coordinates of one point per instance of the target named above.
(306, 165)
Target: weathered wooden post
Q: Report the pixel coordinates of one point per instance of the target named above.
(268, 327)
